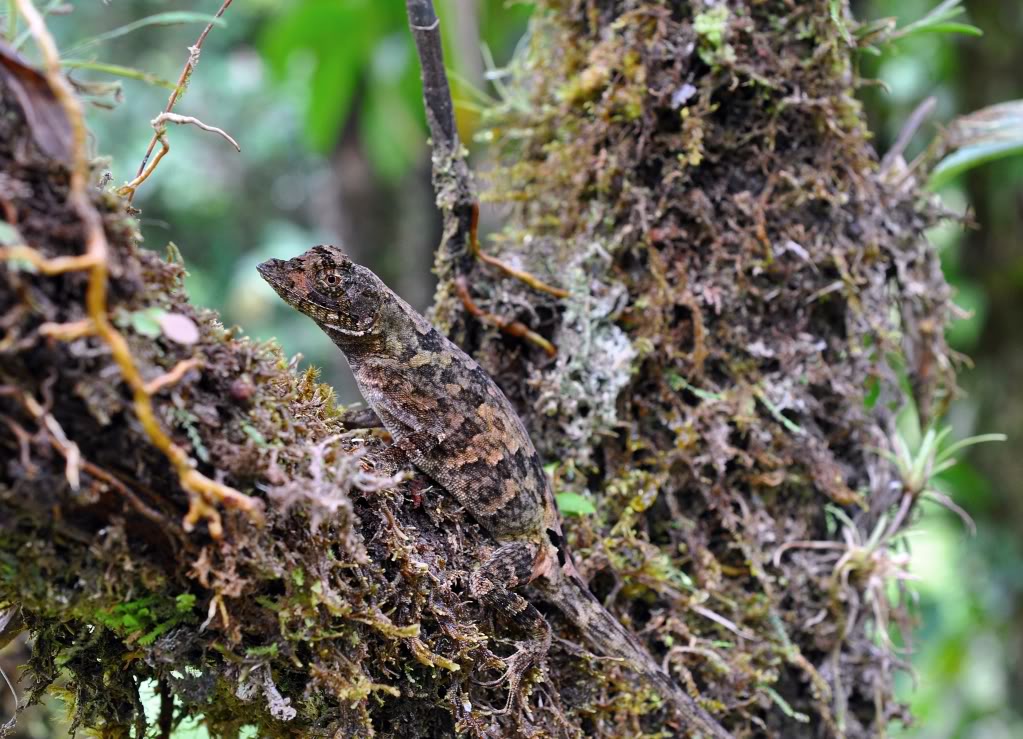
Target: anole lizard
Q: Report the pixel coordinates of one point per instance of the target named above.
(450, 420)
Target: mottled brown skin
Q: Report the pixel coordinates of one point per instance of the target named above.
(450, 420)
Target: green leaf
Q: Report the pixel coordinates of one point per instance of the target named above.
(255, 434)
(265, 651)
(679, 383)
(146, 322)
(331, 53)
(119, 71)
(992, 133)
(574, 504)
(873, 392)
(939, 20)
(784, 706)
(327, 112)
(835, 11)
(969, 157)
(712, 25)
(391, 135)
(170, 18)
(970, 441)
(964, 28)
(311, 30)
(775, 411)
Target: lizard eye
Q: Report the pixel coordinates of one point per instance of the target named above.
(332, 279)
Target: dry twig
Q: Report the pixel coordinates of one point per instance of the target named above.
(518, 274)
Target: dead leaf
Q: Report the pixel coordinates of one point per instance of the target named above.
(179, 328)
(46, 118)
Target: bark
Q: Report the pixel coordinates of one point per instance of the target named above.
(748, 295)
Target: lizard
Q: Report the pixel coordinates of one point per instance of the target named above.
(449, 419)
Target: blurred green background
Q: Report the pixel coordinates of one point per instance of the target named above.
(323, 96)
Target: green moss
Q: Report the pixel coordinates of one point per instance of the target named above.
(145, 619)
(711, 26)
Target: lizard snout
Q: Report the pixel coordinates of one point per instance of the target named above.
(270, 268)
(275, 272)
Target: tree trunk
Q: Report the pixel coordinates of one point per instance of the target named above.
(746, 289)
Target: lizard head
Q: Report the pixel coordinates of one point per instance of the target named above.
(341, 296)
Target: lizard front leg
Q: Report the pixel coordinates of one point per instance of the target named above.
(511, 566)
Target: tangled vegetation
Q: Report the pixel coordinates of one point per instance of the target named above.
(749, 293)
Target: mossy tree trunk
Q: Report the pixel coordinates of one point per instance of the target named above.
(746, 288)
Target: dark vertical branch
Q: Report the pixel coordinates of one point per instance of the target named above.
(440, 113)
(165, 722)
(452, 179)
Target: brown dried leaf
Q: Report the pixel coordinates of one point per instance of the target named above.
(46, 118)
(11, 624)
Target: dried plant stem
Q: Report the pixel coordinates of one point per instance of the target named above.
(533, 282)
(160, 126)
(512, 328)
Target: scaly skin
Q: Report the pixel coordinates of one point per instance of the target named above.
(450, 420)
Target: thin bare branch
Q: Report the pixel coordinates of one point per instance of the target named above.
(186, 72)
(909, 129)
(188, 119)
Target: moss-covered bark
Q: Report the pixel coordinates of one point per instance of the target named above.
(747, 289)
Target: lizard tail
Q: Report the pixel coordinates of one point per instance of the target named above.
(611, 639)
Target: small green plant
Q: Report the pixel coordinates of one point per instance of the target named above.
(873, 561)
(941, 19)
(861, 578)
(574, 504)
(711, 28)
(142, 621)
(918, 468)
(868, 566)
(865, 564)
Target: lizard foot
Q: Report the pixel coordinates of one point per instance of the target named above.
(510, 566)
(516, 668)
